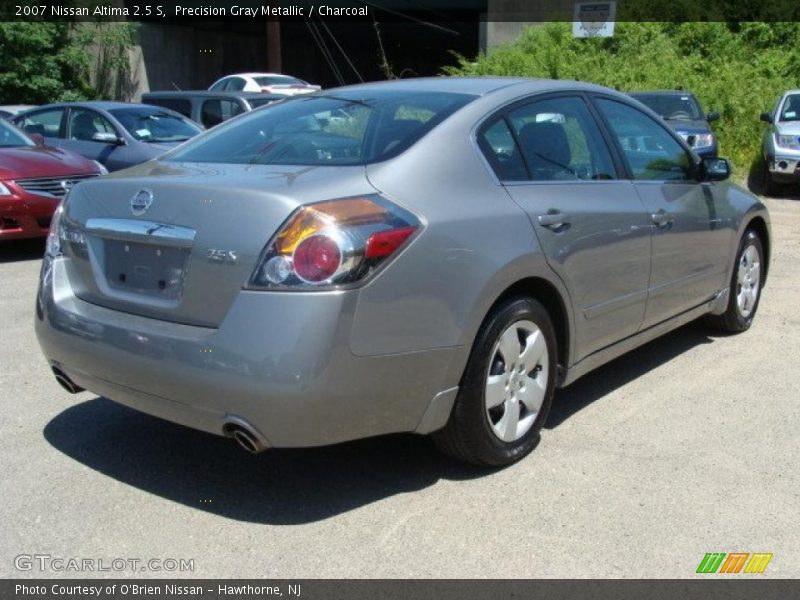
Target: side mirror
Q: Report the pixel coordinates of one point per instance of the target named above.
(712, 116)
(37, 138)
(715, 169)
(107, 138)
(766, 117)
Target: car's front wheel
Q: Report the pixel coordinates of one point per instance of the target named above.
(745, 286)
(507, 387)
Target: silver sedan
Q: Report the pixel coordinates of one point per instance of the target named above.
(433, 256)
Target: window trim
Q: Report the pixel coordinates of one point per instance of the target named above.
(620, 166)
(694, 160)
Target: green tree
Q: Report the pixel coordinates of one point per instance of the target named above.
(738, 69)
(43, 62)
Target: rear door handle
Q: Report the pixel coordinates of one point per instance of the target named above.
(553, 220)
(662, 218)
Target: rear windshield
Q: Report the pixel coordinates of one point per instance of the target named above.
(673, 107)
(151, 124)
(278, 80)
(347, 129)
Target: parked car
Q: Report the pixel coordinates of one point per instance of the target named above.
(781, 143)
(683, 112)
(117, 134)
(474, 245)
(273, 83)
(210, 108)
(33, 179)
(9, 110)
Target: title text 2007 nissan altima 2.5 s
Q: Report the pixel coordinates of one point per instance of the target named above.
(432, 255)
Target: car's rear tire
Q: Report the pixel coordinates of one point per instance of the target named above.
(745, 286)
(507, 387)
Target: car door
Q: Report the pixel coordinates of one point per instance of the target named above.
(689, 219)
(552, 157)
(49, 123)
(92, 135)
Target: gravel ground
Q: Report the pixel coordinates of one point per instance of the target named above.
(685, 446)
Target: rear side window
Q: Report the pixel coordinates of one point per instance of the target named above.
(652, 153)
(497, 144)
(46, 122)
(179, 105)
(215, 112)
(326, 130)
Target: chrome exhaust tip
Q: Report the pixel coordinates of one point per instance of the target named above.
(65, 382)
(245, 435)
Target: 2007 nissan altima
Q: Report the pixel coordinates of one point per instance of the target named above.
(431, 256)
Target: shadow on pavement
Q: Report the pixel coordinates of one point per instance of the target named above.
(625, 369)
(279, 487)
(285, 487)
(19, 250)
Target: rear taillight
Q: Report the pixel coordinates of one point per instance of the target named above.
(333, 244)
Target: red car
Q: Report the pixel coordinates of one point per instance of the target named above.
(33, 179)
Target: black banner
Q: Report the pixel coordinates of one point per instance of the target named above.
(430, 11)
(733, 588)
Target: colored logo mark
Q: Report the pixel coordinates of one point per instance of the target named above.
(734, 562)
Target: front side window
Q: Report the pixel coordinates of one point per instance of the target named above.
(45, 122)
(350, 128)
(560, 141)
(85, 125)
(152, 124)
(652, 153)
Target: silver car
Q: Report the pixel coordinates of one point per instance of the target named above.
(437, 259)
(781, 143)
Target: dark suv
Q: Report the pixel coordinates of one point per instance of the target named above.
(682, 111)
(210, 108)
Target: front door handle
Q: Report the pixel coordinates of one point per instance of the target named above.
(553, 220)
(662, 218)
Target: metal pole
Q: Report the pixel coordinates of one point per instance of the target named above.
(274, 44)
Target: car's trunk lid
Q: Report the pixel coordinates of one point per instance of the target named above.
(178, 241)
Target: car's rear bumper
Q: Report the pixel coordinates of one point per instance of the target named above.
(280, 361)
(25, 217)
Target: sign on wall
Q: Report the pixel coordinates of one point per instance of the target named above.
(594, 19)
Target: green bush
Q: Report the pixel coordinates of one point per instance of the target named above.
(738, 69)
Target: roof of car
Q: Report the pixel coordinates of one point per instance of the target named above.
(477, 86)
(207, 94)
(99, 104)
(259, 75)
(663, 93)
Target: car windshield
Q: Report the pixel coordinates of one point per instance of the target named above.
(152, 124)
(351, 128)
(791, 108)
(672, 106)
(267, 80)
(11, 137)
